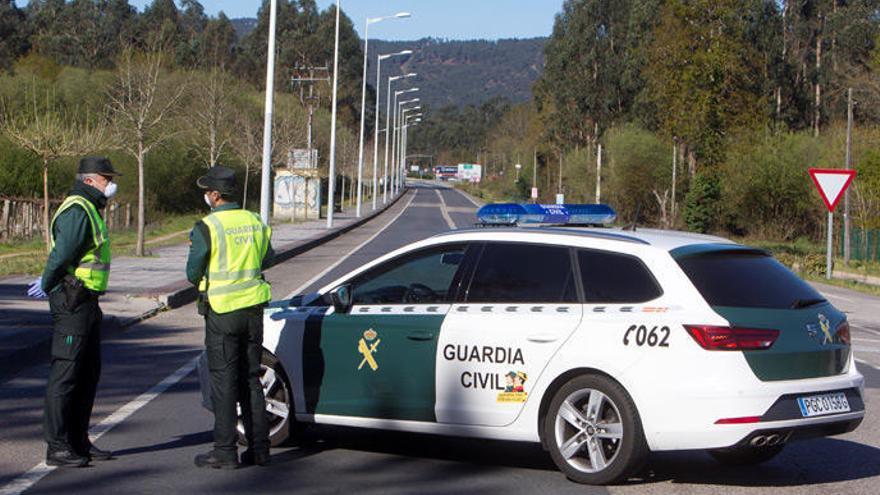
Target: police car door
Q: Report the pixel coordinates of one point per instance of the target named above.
(378, 359)
(520, 306)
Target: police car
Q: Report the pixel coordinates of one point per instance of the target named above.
(601, 344)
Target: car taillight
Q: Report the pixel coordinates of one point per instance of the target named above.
(843, 332)
(714, 338)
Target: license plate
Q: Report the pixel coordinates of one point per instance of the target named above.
(818, 405)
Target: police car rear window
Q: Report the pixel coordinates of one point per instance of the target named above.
(616, 278)
(748, 279)
(523, 273)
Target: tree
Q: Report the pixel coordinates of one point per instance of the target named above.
(211, 112)
(13, 34)
(247, 141)
(142, 102)
(49, 133)
(703, 76)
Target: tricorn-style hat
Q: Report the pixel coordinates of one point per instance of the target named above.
(218, 178)
(97, 165)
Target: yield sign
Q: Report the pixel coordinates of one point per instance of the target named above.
(831, 184)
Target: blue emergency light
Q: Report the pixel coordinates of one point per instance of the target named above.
(574, 214)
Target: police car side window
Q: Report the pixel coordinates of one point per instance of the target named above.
(423, 277)
(523, 273)
(616, 278)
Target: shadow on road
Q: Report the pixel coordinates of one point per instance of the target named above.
(826, 460)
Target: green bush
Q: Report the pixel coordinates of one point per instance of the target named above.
(638, 164)
(701, 203)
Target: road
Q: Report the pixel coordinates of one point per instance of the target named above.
(149, 406)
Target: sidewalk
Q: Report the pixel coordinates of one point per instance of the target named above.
(858, 277)
(141, 287)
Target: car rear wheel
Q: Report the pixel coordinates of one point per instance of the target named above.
(593, 431)
(279, 402)
(746, 455)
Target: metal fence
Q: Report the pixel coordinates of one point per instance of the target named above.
(864, 244)
(22, 218)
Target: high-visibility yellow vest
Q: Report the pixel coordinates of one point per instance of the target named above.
(239, 242)
(94, 267)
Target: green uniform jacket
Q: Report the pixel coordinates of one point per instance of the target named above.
(73, 237)
(200, 248)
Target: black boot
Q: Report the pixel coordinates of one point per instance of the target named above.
(250, 458)
(211, 460)
(97, 454)
(66, 458)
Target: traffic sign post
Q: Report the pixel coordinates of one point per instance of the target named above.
(832, 184)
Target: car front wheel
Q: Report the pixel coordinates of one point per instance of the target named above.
(594, 432)
(279, 402)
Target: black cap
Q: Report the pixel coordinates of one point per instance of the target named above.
(218, 178)
(97, 165)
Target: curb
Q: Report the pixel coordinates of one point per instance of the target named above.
(176, 295)
(182, 292)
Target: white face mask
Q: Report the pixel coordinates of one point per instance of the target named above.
(208, 201)
(110, 190)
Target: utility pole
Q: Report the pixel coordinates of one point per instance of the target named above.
(674, 174)
(846, 224)
(599, 176)
(309, 75)
(265, 182)
(331, 184)
(535, 174)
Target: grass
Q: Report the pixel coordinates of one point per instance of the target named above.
(170, 230)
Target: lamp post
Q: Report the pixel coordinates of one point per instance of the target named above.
(395, 140)
(416, 118)
(331, 184)
(369, 21)
(388, 131)
(376, 136)
(401, 154)
(267, 124)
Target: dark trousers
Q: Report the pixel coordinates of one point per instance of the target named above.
(234, 343)
(73, 378)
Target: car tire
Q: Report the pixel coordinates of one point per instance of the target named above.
(746, 455)
(279, 403)
(593, 431)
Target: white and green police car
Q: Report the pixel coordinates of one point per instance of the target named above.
(603, 345)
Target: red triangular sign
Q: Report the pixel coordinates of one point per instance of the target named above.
(832, 183)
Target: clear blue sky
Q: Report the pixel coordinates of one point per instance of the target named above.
(454, 19)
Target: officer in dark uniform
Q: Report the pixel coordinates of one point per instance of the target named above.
(230, 247)
(76, 274)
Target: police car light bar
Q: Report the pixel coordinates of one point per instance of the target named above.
(500, 214)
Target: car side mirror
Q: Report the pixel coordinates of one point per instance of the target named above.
(341, 298)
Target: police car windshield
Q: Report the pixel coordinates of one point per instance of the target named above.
(747, 279)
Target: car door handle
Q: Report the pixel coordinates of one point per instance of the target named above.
(420, 336)
(542, 338)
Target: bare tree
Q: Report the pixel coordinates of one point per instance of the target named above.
(247, 141)
(142, 104)
(50, 134)
(211, 114)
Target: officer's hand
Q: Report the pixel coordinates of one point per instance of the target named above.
(35, 290)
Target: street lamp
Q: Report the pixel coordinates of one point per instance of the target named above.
(388, 131)
(395, 143)
(331, 184)
(376, 137)
(373, 20)
(267, 124)
(416, 117)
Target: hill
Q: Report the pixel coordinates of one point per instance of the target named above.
(459, 73)
(462, 73)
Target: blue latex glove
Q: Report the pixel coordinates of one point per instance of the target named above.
(35, 290)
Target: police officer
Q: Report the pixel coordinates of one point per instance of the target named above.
(76, 274)
(229, 249)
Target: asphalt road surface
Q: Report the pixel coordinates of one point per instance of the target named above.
(148, 411)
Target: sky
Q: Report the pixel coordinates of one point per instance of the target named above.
(453, 19)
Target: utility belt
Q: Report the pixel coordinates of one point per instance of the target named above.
(75, 292)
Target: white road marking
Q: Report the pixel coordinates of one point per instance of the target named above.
(842, 298)
(874, 341)
(343, 258)
(444, 211)
(38, 472)
(862, 361)
(863, 329)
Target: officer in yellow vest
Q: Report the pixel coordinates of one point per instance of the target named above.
(76, 274)
(229, 249)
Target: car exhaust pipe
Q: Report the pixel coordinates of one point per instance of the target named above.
(769, 440)
(758, 441)
(773, 439)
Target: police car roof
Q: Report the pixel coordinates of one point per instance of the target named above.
(666, 240)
